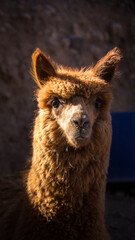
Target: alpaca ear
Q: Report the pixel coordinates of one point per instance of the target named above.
(42, 67)
(106, 67)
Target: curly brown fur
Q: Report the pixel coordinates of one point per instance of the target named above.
(62, 195)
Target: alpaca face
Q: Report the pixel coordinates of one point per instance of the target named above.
(71, 121)
(75, 117)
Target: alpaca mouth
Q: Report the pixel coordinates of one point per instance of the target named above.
(79, 139)
(82, 134)
(82, 139)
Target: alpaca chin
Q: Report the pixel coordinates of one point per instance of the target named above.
(79, 142)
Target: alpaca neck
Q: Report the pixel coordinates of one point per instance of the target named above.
(58, 180)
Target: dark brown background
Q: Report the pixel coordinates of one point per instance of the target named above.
(76, 33)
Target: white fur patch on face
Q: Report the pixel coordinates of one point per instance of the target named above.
(67, 114)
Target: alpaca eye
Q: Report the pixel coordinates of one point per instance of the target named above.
(98, 103)
(55, 103)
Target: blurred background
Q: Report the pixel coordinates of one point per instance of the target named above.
(75, 33)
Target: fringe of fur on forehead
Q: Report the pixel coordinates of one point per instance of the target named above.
(66, 90)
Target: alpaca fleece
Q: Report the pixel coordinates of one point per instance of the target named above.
(62, 194)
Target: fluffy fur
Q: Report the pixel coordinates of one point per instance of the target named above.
(62, 195)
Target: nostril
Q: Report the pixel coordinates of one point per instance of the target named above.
(86, 124)
(80, 123)
(75, 123)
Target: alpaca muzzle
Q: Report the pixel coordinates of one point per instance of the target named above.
(80, 128)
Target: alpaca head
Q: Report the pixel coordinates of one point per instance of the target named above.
(72, 102)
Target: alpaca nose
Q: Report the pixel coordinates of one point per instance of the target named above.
(80, 121)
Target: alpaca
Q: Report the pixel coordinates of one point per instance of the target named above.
(62, 194)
